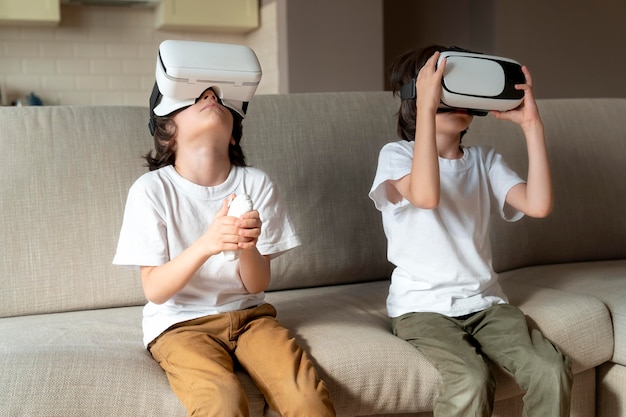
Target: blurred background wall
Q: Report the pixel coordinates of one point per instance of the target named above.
(106, 55)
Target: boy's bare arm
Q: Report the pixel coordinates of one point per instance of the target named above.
(160, 283)
(254, 268)
(535, 197)
(421, 187)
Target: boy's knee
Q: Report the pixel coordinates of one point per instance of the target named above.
(309, 406)
(543, 361)
(473, 378)
(552, 370)
(226, 398)
(548, 386)
(310, 402)
(467, 393)
(478, 378)
(549, 370)
(221, 406)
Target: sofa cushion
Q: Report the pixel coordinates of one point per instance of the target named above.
(611, 388)
(585, 139)
(70, 169)
(71, 364)
(322, 150)
(605, 280)
(79, 358)
(348, 333)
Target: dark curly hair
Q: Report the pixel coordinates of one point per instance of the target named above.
(404, 69)
(164, 144)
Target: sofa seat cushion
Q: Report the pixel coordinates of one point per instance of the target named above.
(87, 363)
(347, 332)
(94, 360)
(605, 280)
(611, 388)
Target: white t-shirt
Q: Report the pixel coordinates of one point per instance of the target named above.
(165, 213)
(443, 256)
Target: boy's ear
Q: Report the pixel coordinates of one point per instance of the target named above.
(232, 141)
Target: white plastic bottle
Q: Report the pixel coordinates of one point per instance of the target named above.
(241, 204)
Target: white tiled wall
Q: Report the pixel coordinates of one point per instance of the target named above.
(106, 55)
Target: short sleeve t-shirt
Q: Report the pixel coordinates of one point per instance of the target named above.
(442, 256)
(165, 213)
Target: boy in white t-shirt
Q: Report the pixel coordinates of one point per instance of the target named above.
(206, 313)
(436, 197)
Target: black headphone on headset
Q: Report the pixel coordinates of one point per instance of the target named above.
(154, 99)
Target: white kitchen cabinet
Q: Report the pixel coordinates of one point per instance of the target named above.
(210, 15)
(26, 12)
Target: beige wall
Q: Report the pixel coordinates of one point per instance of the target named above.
(106, 55)
(101, 55)
(573, 48)
(334, 45)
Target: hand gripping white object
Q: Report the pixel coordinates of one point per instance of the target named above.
(238, 206)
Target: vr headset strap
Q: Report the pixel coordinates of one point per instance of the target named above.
(407, 92)
(154, 99)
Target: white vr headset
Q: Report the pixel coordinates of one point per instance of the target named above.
(185, 69)
(476, 82)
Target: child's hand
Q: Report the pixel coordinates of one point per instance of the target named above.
(428, 84)
(222, 234)
(232, 233)
(526, 113)
(249, 229)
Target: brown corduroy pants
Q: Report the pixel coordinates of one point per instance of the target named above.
(198, 357)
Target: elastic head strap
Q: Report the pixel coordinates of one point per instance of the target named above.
(407, 92)
(154, 99)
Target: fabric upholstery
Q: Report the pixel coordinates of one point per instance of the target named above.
(79, 357)
(70, 321)
(322, 152)
(586, 143)
(612, 380)
(69, 170)
(350, 332)
(603, 280)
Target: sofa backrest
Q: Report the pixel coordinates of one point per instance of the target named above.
(322, 150)
(66, 172)
(587, 146)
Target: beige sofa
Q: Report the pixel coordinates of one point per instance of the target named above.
(70, 334)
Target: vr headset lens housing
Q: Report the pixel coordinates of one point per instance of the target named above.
(168, 105)
(476, 82)
(185, 69)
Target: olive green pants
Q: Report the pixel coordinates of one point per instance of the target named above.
(198, 358)
(458, 348)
